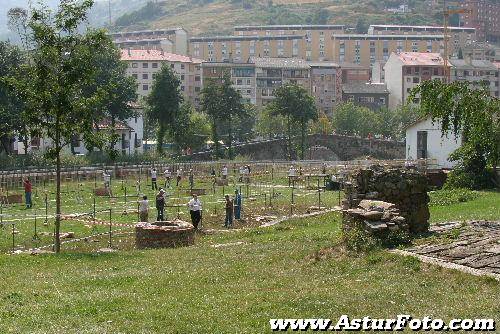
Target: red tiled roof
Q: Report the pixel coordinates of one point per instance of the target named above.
(156, 55)
(421, 58)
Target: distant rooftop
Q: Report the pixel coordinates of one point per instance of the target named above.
(145, 32)
(423, 28)
(365, 88)
(322, 64)
(387, 36)
(152, 55)
(472, 64)
(243, 38)
(420, 58)
(291, 27)
(280, 63)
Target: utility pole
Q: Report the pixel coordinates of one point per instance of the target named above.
(109, 11)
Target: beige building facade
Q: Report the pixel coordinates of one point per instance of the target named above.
(144, 64)
(167, 40)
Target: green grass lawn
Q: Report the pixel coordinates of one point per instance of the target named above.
(277, 272)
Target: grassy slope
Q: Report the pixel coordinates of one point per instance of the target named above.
(220, 16)
(235, 289)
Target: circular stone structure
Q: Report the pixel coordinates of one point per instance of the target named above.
(167, 234)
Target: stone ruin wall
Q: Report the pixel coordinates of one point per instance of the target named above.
(374, 189)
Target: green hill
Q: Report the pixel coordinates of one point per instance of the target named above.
(208, 17)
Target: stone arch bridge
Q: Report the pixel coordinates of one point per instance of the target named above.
(320, 147)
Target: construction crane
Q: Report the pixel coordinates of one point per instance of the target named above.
(446, 16)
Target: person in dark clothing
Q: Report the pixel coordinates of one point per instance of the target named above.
(160, 205)
(229, 212)
(27, 192)
(237, 205)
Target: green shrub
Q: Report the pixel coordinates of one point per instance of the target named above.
(357, 240)
(451, 196)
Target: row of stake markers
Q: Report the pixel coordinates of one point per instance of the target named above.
(43, 199)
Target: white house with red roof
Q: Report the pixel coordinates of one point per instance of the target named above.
(406, 70)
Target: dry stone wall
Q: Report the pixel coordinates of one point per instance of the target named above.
(402, 191)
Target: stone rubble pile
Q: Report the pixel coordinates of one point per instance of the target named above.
(403, 196)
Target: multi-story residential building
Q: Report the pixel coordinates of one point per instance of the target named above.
(374, 50)
(242, 77)
(354, 72)
(168, 40)
(406, 70)
(272, 73)
(477, 73)
(241, 48)
(368, 94)
(144, 64)
(484, 15)
(317, 38)
(480, 51)
(458, 36)
(326, 84)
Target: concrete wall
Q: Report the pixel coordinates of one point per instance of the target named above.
(394, 80)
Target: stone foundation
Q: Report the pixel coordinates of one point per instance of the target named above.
(405, 189)
(168, 234)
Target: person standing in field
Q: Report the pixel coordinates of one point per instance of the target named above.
(27, 192)
(237, 205)
(179, 176)
(160, 205)
(154, 175)
(229, 212)
(224, 172)
(168, 176)
(144, 209)
(195, 210)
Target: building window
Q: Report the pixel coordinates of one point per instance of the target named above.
(145, 65)
(182, 76)
(135, 65)
(182, 66)
(172, 65)
(416, 79)
(197, 78)
(145, 87)
(145, 76)
(196, 89)
(154, 65)
(134, 75)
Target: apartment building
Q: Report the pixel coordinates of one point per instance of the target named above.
(458, 36)
(406, 70)
(368, 50)
(477, 73)
(242, 77)
(167, 40)
(241, 48)
(144, 64)
(317, 38)
(371, 95)
(326, 85)
(481, 51)
(484, 16)
(272, 73)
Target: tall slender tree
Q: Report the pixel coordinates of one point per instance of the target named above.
(164, 102)
(54, 81)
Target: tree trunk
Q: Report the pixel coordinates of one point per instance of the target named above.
(230, 137)
(57, 239)
(161, 135)
(302, 140)
(289, 130)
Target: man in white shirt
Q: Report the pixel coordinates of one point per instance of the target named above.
(153, 179)
(195, 209)
(168, 176)
(224, 172)
(144, 209)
